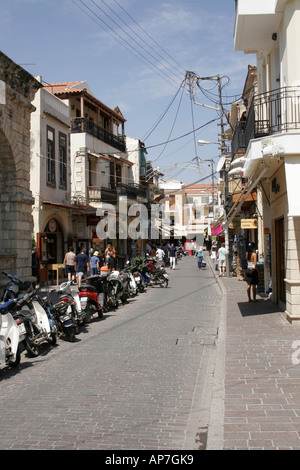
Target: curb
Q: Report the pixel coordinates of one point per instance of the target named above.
(215, 433)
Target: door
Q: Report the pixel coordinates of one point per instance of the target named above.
(280, 261)
(42, 255)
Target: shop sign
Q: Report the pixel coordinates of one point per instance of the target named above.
(249, 223)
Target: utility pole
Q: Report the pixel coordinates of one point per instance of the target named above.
(192, 78)
(223, 153)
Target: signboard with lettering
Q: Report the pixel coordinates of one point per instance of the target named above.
(249, 223)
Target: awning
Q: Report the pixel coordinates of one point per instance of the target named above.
(244, 194)
(236, 171)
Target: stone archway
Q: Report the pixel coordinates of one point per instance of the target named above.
(8, 209)
(17, 90)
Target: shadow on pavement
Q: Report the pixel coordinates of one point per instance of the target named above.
(259, 307)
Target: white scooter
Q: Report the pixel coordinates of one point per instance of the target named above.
(65, 288)
(133, 288)
(9, 337)
(44, 328)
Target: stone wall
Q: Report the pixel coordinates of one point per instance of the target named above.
(17, 90)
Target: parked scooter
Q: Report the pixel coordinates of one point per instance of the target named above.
(42, 329)
(133, 289)
(10, 354)
(62, 314)
(67, 295)
(160, 277)
(121, 282)
(136, 270)
(92, 300)
(16, 288)
(105, 288)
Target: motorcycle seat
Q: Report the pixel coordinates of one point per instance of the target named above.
(88, 287)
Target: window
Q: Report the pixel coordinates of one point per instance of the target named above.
(62, 161)
(50, 157)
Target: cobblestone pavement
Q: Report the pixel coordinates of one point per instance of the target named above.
(259, 395)
(141, 378)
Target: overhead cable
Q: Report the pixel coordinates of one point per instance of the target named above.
(122, 40)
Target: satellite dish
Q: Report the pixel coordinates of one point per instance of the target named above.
(221, 164)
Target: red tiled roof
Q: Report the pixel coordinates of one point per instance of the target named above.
(64, 87)
(67, 88)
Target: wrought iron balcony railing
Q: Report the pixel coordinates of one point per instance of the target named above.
(270, 113)
(85, 125)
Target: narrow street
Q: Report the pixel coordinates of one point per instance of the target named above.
(139, 379)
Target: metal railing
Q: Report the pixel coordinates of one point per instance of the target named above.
(85, 125)
(270, 113)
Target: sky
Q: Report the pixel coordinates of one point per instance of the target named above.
(134, 54)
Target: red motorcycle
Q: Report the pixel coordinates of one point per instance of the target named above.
(91, 301)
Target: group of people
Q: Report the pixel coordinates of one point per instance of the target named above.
(166, 253)
(250, 270)
(77, 266)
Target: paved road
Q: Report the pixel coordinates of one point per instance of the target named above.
(138, 379)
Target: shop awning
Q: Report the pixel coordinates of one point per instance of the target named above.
(243, 196)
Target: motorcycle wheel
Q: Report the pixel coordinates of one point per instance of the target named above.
(16, 362)
(53, 339)
(87, 314)
(163, 282)
(31, 348)
(70, 333)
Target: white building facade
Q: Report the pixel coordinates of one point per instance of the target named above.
(272, 133)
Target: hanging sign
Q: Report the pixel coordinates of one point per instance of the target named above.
(249, 223)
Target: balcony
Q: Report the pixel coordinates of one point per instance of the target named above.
(111, 193)
(132, 191)
(84, 125)
(238, 142)
(102, 194)
(277, 111)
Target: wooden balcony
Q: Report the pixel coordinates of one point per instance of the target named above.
(84, 125)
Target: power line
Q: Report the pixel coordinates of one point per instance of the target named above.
(155, 42)
(163, 114)
(172, 128)
(122, 40)
(136, 34)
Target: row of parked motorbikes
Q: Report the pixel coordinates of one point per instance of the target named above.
(31, 317)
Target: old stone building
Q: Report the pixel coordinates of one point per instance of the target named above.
(17, 90)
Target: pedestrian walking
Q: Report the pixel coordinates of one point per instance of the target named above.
(107, 254)
(81, 265)
(112, 259)
(159, 254)
(94, 263)
(69, 262)
(222, 260)
(172, 256)
(213, 252)
(251, 272)
(199, 256)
